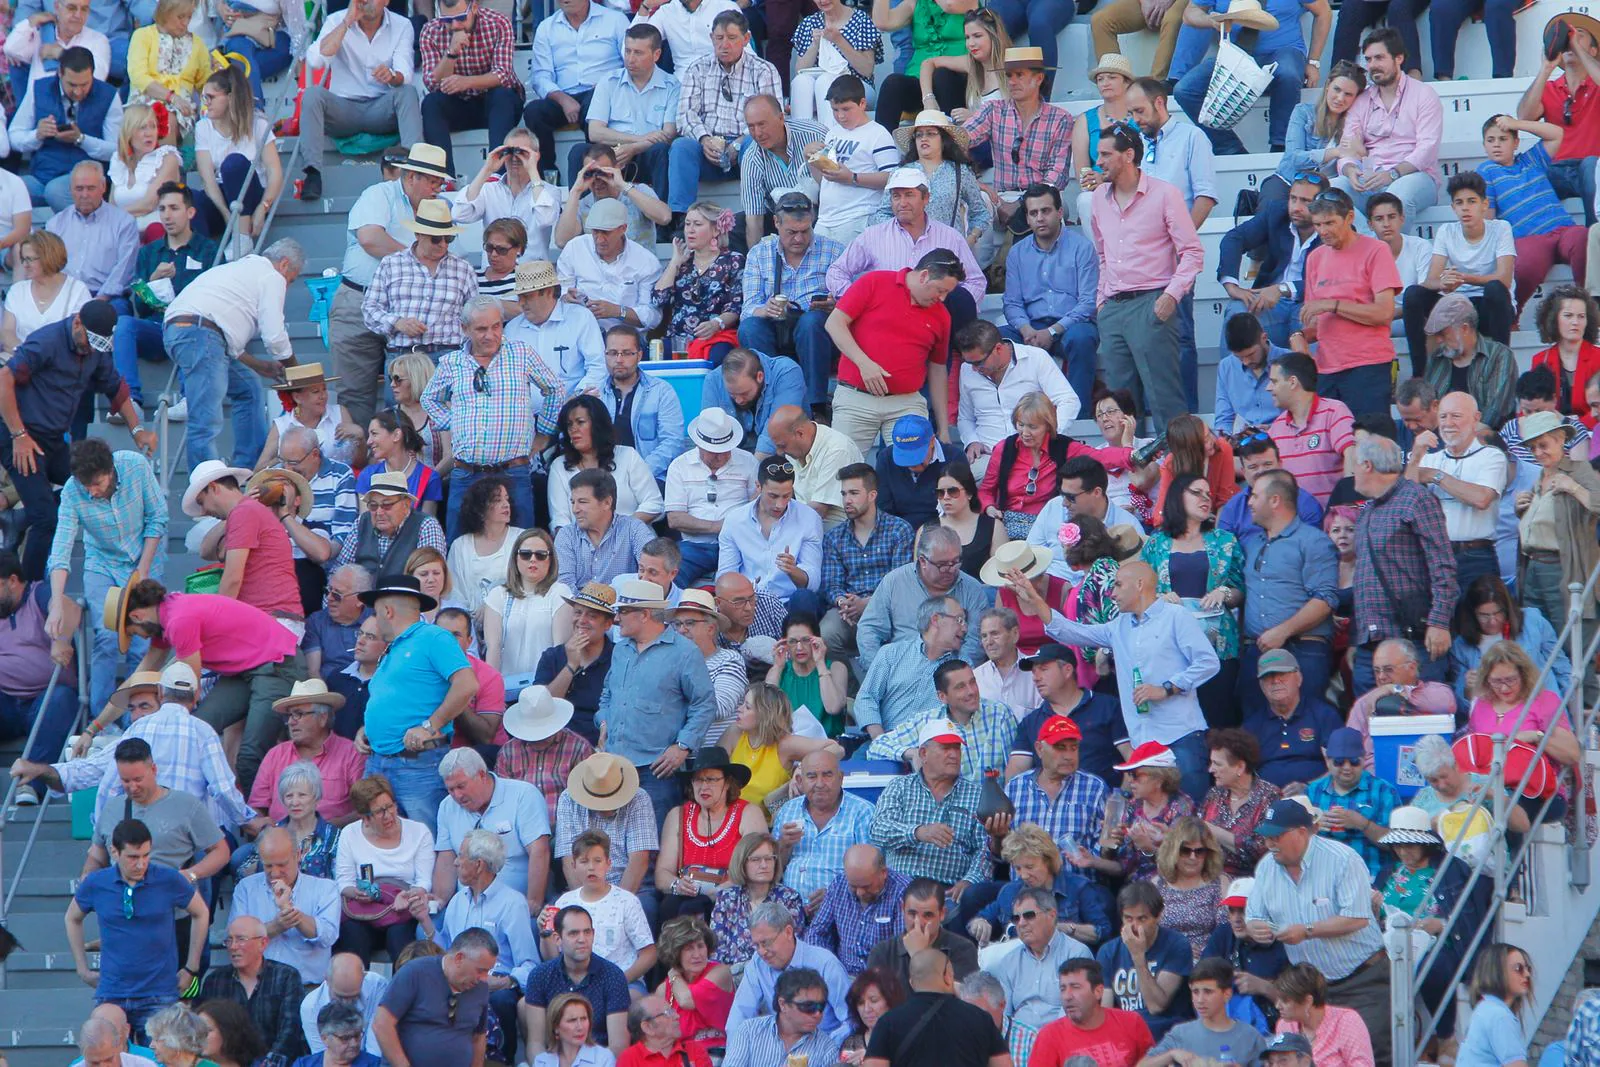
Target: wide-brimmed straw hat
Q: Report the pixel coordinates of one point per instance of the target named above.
(306, 376)
(1031, 560)
(310, 691)
(426, 159)
(284, 474)
(937, 120)
(204, 473)
(603, 782)
(1410, 825)
(537, 714)
(702, 602)
(1248, 14)
(434, 219)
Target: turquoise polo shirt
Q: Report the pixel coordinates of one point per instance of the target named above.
(409, 684)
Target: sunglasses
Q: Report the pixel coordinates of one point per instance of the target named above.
(1025, 916)
(1346, 762)
(711, 494)
(540, 554)
(1566, 112)
(1311, 177)
(1192, 850)
(794, 202)
(499, 250)
(949, 491)
(1033, 480)
(727, 93)
(127, 901)
(808, 1007)
(455, 1001)
(480, 380)
(1252, 437)
(397, 379)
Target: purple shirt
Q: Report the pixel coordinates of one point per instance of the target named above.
(1408, 133)
(887, 246)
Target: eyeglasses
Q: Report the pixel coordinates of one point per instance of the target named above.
(1385, 670)
(808, 1007)
(383, 813)
(1070, 498)
(437, 238)
(498, 250)
(297, 715)
(1033, 480)
(1311, 177)
(1016, 153)
(1520, 968)
(658, 1015)
(333, 596)
(737, 601)
(1505, 683)
(397, 379)
(762, 859)
(709, 779)
(239, 940)
(950, 490)
(711, 494)
(1252, 437)
(943, 566)
(773, 466)
(540, 554)
(794, 202)
(480, 380)
(961, 618)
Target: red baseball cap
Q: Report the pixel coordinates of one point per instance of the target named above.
(1149, 754)
(1059, 728)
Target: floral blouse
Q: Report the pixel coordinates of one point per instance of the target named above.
(1248, 846)
(1407, 890)
(1136, 864)
(1227, 570)
(730, 920)
(698, 295)
(1194, 913)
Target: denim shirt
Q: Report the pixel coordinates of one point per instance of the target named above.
(657, 420)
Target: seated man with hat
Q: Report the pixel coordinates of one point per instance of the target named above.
(1032, 138)
(416, 293)
(414, 696)
(1287, 1050)
(603, 794)
(576, 671)
(926, 823)
(612, 275)
(1296, 725)
(249, 539)
(541, 748)
(704, 486)
(563, 332)
(1356, 803)
(986, 726)
(308, 709)
(391, 528)
(256, 657)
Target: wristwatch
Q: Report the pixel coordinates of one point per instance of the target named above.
(1056, 330)
(1171, 690)
(1314, 63)
(1285, 289)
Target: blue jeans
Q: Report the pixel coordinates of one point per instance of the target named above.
(699, 563)
(521, 496)
(1078, 349)
(1042, 20)
(1282, 95)
(56, 193)
(133, 340)
(1314, 658)
(418, 789)
(1575, 177)
(1280, 320)
(17, 716)
(1444, 25)
(813, 349)
(106, 662)
(664, 793)
(264, 62)
(1194, 763)
(687, 166)
(209, 373)
(231, 177)
(139, 1009)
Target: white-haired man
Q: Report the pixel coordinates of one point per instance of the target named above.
(514, 810)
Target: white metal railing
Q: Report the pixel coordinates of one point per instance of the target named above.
(1409, 1039)
(82, 644)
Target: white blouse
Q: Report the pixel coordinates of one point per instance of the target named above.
(19, 301)
(636, 487)
(473, 575)
(127, 187)
(207, 138)
(529, 625)
(328, 438)
(411, 860)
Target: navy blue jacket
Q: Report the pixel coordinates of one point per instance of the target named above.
(1268, 228)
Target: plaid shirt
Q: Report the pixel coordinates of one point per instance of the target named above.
(545, 765)
(1248, 846)
(1404, 528)
(764, 278)
(1373, 797)
(189, 759)
(819, 857)
(583, 561)
(429, 535)
(1583, 1035)
(713, 98)
(114, 530)
(402, 288)
(1073, 818)
(493, 421)
(333, 503)
(985, 738)
(1041, 151)
(848, 566)
(632, 828)
(274, 1006)
(488, 50)
(770, 613)
(850, 929)
(905, 804)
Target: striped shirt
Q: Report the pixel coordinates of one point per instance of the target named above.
(819, 856)
(1072, 818)
(1522, 195)
(1314, 452)
(762, 172)
(907, 803)
(985, 738)
(1333, 881)
(403, 288)
(755, 1043)
(492, 424)
(333, 504)
(114, 530)
(889, 246)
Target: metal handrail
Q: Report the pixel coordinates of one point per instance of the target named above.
(1495, 802)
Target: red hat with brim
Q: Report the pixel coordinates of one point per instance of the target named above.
(1149, 754)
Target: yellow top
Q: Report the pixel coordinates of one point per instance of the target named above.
(144, 63)
(767, 771)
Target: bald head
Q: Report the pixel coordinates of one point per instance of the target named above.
(101, 1043)
(275, 842)
(345, 975)
(1135, 587)
(865, 872)
(247, 926)
(733, 585)
(113, 1014)
(930, 972)
(864, 858)
(821, 759)
(792, 431)
(1458, 420)
(763, 106)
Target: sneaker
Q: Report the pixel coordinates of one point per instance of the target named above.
(116, 418)
(26, 797)
(178, 412)
(311, 185)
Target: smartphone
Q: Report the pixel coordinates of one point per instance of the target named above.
(366, 872)
(819, 298)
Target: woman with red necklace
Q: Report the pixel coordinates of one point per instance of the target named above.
(699, 836)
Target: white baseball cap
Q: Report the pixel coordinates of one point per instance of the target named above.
(908, 178)
(179, 677)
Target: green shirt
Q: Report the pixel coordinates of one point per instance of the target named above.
(935, 32)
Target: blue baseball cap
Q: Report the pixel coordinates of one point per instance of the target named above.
(1345, 743)
(912, 435)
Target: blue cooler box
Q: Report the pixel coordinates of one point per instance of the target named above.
(1394, 741)
(686, 376)
(866, 778)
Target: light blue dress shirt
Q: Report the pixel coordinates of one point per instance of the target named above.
(316, 897)
(1032, 987)
(572, 59)
(742, 547)
(501, 911)
(517, 812)
(754, 997)
(1180, 153)
(1166, 644)
(656, 420)
(659, 697)
(891, 614)
(1242, 393)
(569, 342)
(626, 108)
(1058, 285)
(385, 205)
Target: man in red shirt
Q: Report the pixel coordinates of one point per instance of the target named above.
(658, 1041)
(899, 315)
(1572, 102)
(1109, 1036)
(257, 559)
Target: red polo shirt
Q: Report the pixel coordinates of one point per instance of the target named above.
(900, 335)
(639, 1056)
(1583, 131)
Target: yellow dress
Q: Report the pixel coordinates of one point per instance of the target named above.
(767, 771)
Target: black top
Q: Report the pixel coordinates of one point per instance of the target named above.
(975, 553)
(906, 493)
(585, 690)
(956, 1034)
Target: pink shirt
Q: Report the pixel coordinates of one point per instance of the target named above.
(1428, 698)
(1407, 133)
(229, 636)
(1314, 453)
(1149, 244)
(1543, 712)
(1342, 1040)
(269, 579)
(340, 764)
(491, 699)
(1357, 273)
